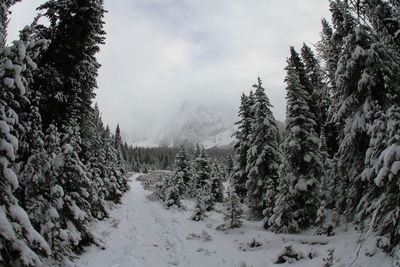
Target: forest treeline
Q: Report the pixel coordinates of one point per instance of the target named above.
(143, 159)
(60, 166)
(341, 146)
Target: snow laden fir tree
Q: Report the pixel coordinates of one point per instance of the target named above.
(301, 169)
(340, 149)
(263, 156)
(59, 165)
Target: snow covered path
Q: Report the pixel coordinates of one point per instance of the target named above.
(142, 233)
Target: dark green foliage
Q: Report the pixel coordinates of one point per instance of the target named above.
(217, 177)
(282, 219)
(59, 164)
(20, 243)
(67, 70)
(362, 58)
(301, 170)
(239, 174)
(263, 156)
(319, 98)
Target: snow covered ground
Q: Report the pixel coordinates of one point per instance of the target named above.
(142, 233)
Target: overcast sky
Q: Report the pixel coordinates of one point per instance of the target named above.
(160, 53)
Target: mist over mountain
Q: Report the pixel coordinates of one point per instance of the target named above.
(208, 124)
(211, 125)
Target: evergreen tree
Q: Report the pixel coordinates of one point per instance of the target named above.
(380, 83)
(177, 184)
(320, 94)
(216, 177)
(282, 219)
(20, 243)
(379, 206)
(114, 180)
(365, 79)
(173, 188)
(74, 186)
(263, 156)
(239, 175)
(384, 17)
(118, 144)
(67, 70)
(182, 171)
(328, 186)
(202, 178)
(201, 169)
(200, 207)
(96, 163)
(329, 50)
(229, 167)
(233, 212)
(301, 169)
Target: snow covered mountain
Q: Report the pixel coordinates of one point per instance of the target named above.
(210, 125)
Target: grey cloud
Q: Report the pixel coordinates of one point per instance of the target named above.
(160, 53)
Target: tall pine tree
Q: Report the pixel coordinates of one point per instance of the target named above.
(297, 201)
(263, 156)
(239, 175)
(20, 243)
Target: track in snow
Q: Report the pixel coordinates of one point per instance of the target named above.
(141, 233)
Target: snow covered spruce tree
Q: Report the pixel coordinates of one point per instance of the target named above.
(202, 178)
(217, 177)
(114, 180)
(118, 147)
(200, 206)
(67, 70)
(329, 49)
(263, 156)
(172, 190)
(20, 243)
(233, 210)
(239, 174)
(97, 165)
(178, 184)
(379, 207)
(320, 94)
(229, 168)
(362, 59)
(182, 170)
(282, 219)
(369, 86)
(297, 201)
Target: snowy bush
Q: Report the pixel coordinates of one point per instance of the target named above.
(199, 209)
(205, 236)
(329, 258)
(289, 255)
(158, 193)
(243, 264)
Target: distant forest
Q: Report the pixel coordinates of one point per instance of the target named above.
(142, 159)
